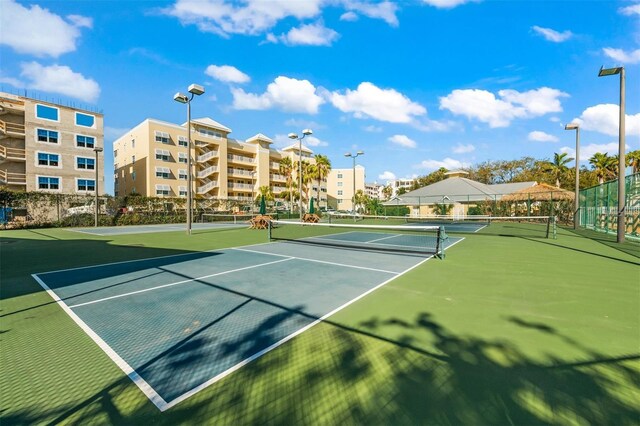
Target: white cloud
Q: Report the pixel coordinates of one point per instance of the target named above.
(447, 163)
(369, 100)
(552, 35)
(384, 10)
(387, 175)
(587, 151)
(538, 136)
(227, 73)
(349, 17)
(634, 9)
(463, 149)
(313, 141)
(619, 55)
(60, 79)
(39, 32)
(426, 125)
(554, 119)
(372, 129)
(13, 82)
(113, 133)
(485, 107)
(287, 94)
(446, 4)
(306, 35)
(402, 140)
(604, 118)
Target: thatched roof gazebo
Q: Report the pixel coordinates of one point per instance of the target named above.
(540, 192)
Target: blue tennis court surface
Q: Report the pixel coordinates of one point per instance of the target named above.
(177, 324)
(168, 227)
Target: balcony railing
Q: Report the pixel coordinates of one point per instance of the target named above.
(207, 156)
(12, 178)
(274, 165)
(208, 171)
(207, 187)
(239, 172)
(239, 158)
(11, 129)
(244, 186)
(277, 177)
(15, 154)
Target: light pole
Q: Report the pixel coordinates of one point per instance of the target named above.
(194, 89)
(576, 202)
(97, 150)
(305, 132)
(354, 156)
(621, 151)
(253, 200)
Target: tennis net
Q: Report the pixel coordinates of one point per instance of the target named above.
(225, 218)
(514, 226)
(424, 240)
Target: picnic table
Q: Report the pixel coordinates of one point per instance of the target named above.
(259, 222)
(311, 218)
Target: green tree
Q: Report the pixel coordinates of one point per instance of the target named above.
(321, 169)
(374, 206)
(558, 167)
(634, 160)
(359, 200)
(603, 166)
(266, 192)
(286, 169)
(387, 192)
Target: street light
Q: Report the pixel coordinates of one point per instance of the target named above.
(97, 150)
(354, 156)
(194, 89)
(576, 202)
(305, 132)
(621, 150)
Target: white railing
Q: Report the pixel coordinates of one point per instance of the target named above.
(12, 153)
(239, 158)
(277, 189)
(207, 187)
(239, 172)
(277, 177)
(207, 156)
(206, 172)
(12, 178)
(239, 185)
(274, 165)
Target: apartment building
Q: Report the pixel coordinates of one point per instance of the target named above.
(340, 186)
(374, 190)
(152, 160)
(398, 184)
(49, 147)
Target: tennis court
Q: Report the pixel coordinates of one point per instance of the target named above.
(177, 324)
(146, 229)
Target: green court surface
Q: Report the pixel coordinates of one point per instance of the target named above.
(505, 330)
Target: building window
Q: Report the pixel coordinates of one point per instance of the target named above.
(86, 185)
(133, 159)
(340, 192)
(133, 176)
(182, 157)
(163, 190)
(182, 141)
(162, 137)
(45, 135)
(182, 174)
(210, 133)
(182, 191)
(85, 141)
(52, 160)
(47, 112)
(48, 182)
(339, 175)
(339, 200)
(163, 172)
(85, 163)
(339, 184)
(115, 153)
(162, 155)
(85, 120)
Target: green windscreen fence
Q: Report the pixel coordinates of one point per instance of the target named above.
(599, 207)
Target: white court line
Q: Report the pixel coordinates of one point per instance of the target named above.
(384, 238)
(318, 261)
(257, 355)
(178, 283)
(150, 393)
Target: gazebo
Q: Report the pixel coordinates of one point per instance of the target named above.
(538, 194)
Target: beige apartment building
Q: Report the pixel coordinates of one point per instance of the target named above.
(49, 147)
(151, 159)
(340, 186)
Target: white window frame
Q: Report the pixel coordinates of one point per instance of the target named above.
(47, 142)
(48, 190)
(182, 189)
(158, 133)
(182, 139)
(181, 173)
(339, 175)
(75, 141)
(340, 192)
(163, 153)
(161, 187)
(86, 158)
(163, 170)
(339, 184)
(183, 158)
(82, 125)
(35, 113)
(85, 191)
(37, 161)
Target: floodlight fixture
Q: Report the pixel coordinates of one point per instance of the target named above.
(196, 89)
(609, 71)
(572, 126)
(292, 136)
(180, 97)
(307, 132)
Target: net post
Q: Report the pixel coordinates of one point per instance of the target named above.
(439, 241)
(269, 225)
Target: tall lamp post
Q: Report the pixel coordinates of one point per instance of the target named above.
(305, 132)
(576, 202)
(621, 151)
(97, 150)
(194, 89)
(354, 156)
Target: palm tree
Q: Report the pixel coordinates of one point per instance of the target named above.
(322, 169)
(360, 199)
(603, 165)
(286, 169)
(306, 174)
(387, 191)
(266, 192)
(558, 167)
(634, 160)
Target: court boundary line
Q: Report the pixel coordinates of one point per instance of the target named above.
(142, 384)
(160, 228)
(282, 341)
(117, 296)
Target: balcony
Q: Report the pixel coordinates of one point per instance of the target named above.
(240, 186)
(207, 156)
(277, 189)
(12, 154)
(12, 178)
(240, 172)
(280, 178)
(15, 130)
(207, 172)
(274, 165)
(239, 158)
(207, 187)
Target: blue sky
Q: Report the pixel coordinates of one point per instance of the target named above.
(415, 84)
